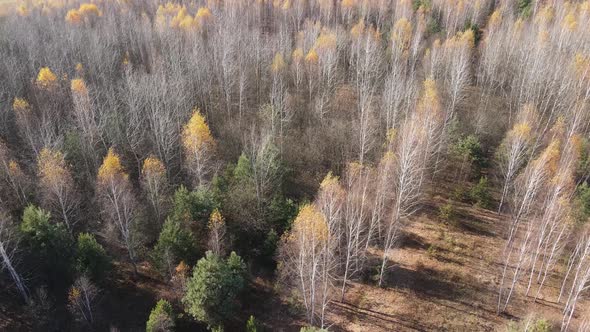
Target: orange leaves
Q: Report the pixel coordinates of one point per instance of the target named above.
(312, 57)
(86, 11)
(46, 79)
(78, 86)
(196, 134)
(111, 168)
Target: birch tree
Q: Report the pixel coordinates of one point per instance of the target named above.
(119, 206)
(57, 186)
(8, 249)
(199, 145)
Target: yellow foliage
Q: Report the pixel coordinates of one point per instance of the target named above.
(402, 33)
(182, 269)
(78, 86)
(20, 105)
(358, 29)
(79, 69)
(111, 167)
(569, 22)
(74, 294)
(86, 10)
(329, 181)
(46, 79)
(196, 134)
(581, 65)
(203, 14)
(545, 15)
(495, 19)
(215, 219)
(14, 169)
(277, 63)
(73, 16)
(286, 5)
(348, 4)
(430, 99)
(52, 167)
(22, 10)
(297, 55)
(89, 9)
(311, 57)
(520, 130)
(153, 167)
(326, 41)
(311, 224)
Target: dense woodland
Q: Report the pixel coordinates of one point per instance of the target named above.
(160, 162)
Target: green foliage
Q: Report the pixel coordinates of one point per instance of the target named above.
(243, 169)
(91, 258)
(469, 149)
(212, 291)
(525, 7)
(175, 243)
(446, 212)
(193, 206)
(582, 203)
(161, 318)
(49, 245)
(539, 325)
(476, 32)
(416, 4)
(480, 193)
(251, 324)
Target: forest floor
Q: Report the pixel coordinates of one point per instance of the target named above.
(444, 277)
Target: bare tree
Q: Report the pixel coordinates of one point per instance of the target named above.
(8, 248)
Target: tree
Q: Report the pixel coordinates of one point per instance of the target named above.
(303, 261)
(8, 248)
(82, 299)
(175, 244)
(512, 153)
(161, 318)
(251, 325)
(12, 174)
(155, 185)
(118, 203)
(91, 258)
(217, 231)
(49, 244)
(199, 145)
(57, 186)
(213, 289)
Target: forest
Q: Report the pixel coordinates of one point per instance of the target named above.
(295, 165)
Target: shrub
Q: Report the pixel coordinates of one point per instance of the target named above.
(480, 193)
(446, 212)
